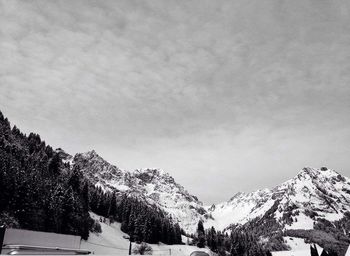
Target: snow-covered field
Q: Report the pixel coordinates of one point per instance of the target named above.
(113, 241)
(298, 248)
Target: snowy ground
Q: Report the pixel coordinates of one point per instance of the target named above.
(113, 241)
(298, 248)
(303, 222)
(348, 252)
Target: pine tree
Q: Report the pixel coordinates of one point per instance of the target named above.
(85, 216)
(54, 165)
(38, 191)
(112, 210)
(75, 180)
(332, 252)
(212, 239)
(313, 250)
(178, 236)
(200, 234)
(324, 253)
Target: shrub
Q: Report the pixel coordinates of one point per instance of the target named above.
(142, 249)
(8, 221)
(96, 227)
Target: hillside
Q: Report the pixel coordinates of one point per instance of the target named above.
(314, 205)
(41, 190)
(37, 190)
(312, 193)
(298, 247)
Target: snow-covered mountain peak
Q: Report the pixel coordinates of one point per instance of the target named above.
(252, 196)
(322, 192)
(321, 174)
(155, 186)
(314, 180)
(316, 174)
(99, 171)
(92, 154)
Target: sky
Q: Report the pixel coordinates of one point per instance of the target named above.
(226, 96)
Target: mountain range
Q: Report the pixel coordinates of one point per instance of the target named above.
(49, 190)
(314, 205)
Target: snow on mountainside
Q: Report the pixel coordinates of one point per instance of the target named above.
(153, 185)
(112, 241)
(312, 194)
(298, 248)
(314, 205)
(239, 209)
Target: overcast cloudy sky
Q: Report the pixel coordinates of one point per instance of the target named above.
(226, 96)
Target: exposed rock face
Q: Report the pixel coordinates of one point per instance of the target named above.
(314, 200)
(153, 185)
(321, 193)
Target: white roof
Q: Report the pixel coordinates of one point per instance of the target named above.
(43, 239)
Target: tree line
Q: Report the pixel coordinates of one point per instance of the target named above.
(237, 243)
(38, 191)
(142, 222)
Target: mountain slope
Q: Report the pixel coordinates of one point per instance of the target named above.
(321, 192)
(313, 199)
(152, 185)
(314, 205)
(41, 190)
(37, 190)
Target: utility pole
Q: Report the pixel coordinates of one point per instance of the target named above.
(2, 235)
(170, 252)
(130, 247)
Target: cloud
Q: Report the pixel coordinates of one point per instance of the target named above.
(198, 88)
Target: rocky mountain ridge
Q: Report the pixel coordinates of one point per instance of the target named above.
(152, 185)
(314, 205)
(323, 192)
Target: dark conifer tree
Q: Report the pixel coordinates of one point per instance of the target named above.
(332, 252)
(324, 253)
(200, 234)
(313, 250)
(112, 209)
(212, 239)
(40, 192)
